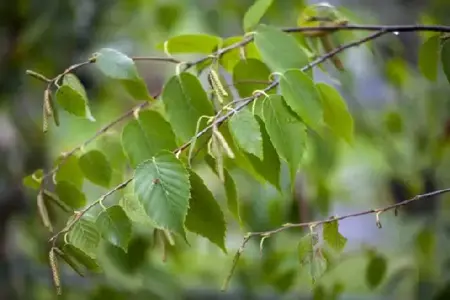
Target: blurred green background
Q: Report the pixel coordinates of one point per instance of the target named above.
(402, 123)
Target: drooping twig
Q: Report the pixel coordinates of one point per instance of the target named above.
(156, 58)
(377, 212)
(81, 213)
(235, 261)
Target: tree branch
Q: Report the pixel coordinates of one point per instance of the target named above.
(220, 52)
(248, 100)
(380, 30)
(81, 213)
(156, 58)
(348, 27)
(219, 120)
(377, 212)
(386, 28)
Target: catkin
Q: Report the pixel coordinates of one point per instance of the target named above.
(328, 46)
(217, 85)
(47, 105)
(55, 271)
(44, 121)
(43, 211)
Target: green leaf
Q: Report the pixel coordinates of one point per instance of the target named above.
(333, 237)
(250, 75)
(115, 64)
(85, 237)
(70, 194)
(162, 186)
(111, 146)
(305, 248)
(145, 136)
(200, 67)
(73, 102)
(96, 168)
(81, 257)
(318, 267)
(185, 102)
(114, 226)
(119, 66)
(376, 270)
(429, 57)
(269, 167)
(246, 132)
(191, 43)
(231, 58)
(335, 112)
(232, 196)
(71, 261)
(34, 180)
(79, 102)
(255, 13)
(69, 171)
(286, 132)
(302, 96)
(445, 59)
(240, 157)
(230, 188)
(279, 50)
(137, 89)
(73, 81)
(134, 210)
(50, 197)
(205, 216)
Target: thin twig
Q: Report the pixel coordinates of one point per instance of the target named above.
(81, 213)
(348, 27)
(387, 28)
(98, 133)
(108, 126)
(266, 234)
(235, 261)
(38, 76)
(246, 101)
(357, 214)
(219, 53)
(71, 69)
(156, 58)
